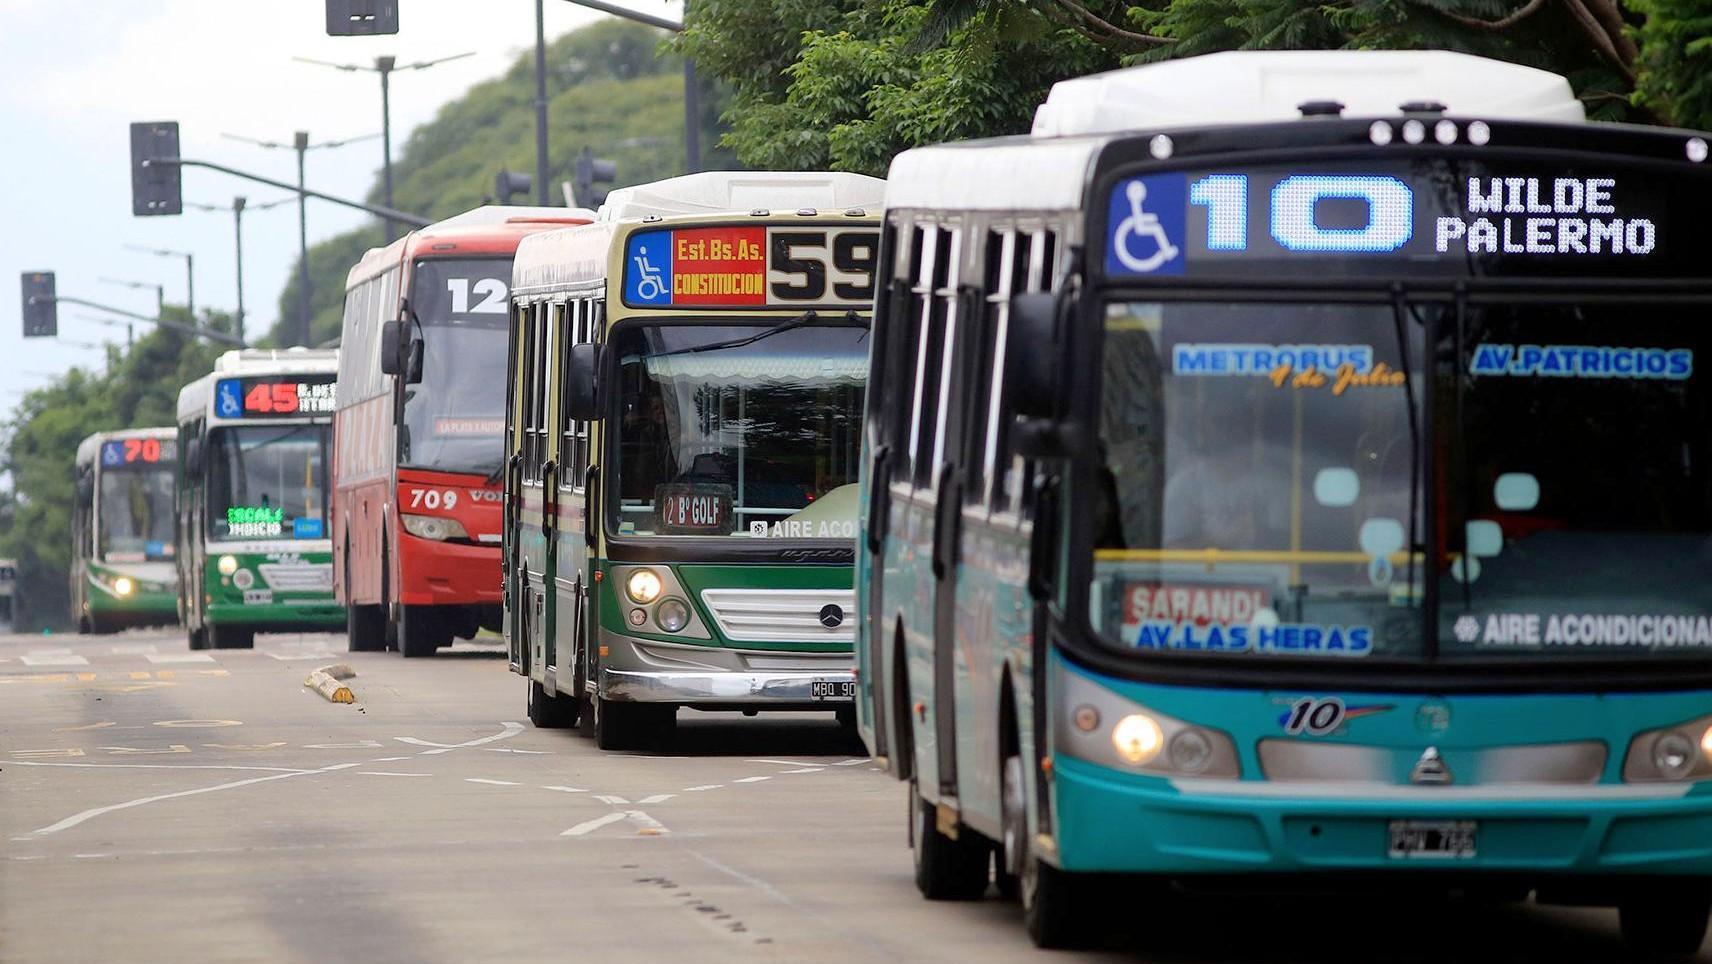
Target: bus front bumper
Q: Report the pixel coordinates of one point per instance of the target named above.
(1109, 821)
(296, 616)
(640, 671)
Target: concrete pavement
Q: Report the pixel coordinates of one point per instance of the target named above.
(158, 804)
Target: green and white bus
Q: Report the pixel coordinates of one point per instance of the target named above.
(122, 553)
(253, 551)
(686, 387)
(1295, 465)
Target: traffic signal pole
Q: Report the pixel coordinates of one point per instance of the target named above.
(207, 333)
(416, 220)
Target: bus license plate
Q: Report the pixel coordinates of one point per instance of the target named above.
(832, 689)
(1432, 839)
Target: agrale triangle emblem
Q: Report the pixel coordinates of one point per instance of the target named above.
(1431, 769)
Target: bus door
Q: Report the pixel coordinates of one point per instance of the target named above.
(554, 474)
(577, 476)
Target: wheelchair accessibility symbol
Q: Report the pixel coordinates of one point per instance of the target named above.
(1146, 218)
(650, 286)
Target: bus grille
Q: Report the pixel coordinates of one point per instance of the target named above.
(782, 615)
(298, 577)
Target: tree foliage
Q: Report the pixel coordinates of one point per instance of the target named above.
(845, 84)
(139, 388)
(609, 88)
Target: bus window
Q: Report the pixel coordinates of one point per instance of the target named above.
(454, 418)
(136, 513)
(267, 482)
(737, 429)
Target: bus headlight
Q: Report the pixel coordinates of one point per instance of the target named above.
(433, 527)
(227, 565)
(672, 615)
(644, 586)
(1139, 738)
(123, 586)
(1671, 753)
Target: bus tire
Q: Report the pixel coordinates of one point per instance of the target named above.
(632, 726)
(1012, 850)
(946, 868)
(365, 629)
(1666, 919)
(419, 632)
(550, 712)
(199, 638)
(230, 637)
(1051, 911)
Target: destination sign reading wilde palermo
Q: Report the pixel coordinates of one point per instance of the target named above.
(1416, 218)
(274, 396)
(751, 266)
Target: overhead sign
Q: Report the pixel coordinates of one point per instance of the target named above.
(274, 396)
(1391, 218)
(139, 452)
(751, 266)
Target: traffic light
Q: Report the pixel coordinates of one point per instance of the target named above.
(592, 170)
(157, 187)
(511, 182)
(361, 18)
(41, 312)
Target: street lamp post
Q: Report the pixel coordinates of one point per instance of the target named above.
(692, 98)
(384, 66)
(189, 271)
(159, 289)
(239, 205)
(300, 144)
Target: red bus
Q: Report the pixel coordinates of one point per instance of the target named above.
(417, 433)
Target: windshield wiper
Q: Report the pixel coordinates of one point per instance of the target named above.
(1399, 311)
(801, 321)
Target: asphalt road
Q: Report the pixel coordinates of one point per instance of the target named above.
(163, 805)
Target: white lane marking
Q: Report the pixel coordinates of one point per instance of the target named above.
(54, 659)
(657, 798)
(804, 770)
(94, 812)
(90, 856)
(388, 759)
(784, 763)
(156, 766)
(179, 658)
(850, 763)
(506, 749)
(497, 783)
(286, 657)
(390, 773)
(705, 786)
(649, 825)
(610, 801)
(566, 789)
(750, 779)
(588, 826)
(359, 745)
(510, 730)
(133, 649)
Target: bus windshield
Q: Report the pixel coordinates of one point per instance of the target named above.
(267, 482)
(454, 419)
(136, 513)
(1256, 498)
(738, 430)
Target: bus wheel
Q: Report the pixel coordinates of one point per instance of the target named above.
(230, 638)
(946, 868)
(1008, 857)
(365, 629)
(419, 632)
(199, 638)
(1667, 918)
(1051, 910)
(550, 712)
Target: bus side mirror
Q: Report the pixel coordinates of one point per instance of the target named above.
(392, 346)
(193, 458)
(413, 374)
(581, 403)
(1031, 353)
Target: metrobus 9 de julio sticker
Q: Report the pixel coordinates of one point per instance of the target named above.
(751, 266)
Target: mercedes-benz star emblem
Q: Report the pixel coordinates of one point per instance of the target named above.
(832, 615)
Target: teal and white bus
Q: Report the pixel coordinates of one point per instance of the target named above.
(253, 550)
(122, 569)
(1297, 464)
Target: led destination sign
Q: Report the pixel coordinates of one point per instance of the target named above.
(274, 396)
(137, 452)
(1432, 217)
(751, 266)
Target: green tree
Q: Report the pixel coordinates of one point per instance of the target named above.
(609, 88)
(847, 83)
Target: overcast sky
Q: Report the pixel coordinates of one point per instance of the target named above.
(77, 72)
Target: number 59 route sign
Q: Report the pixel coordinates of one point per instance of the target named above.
(751, 266)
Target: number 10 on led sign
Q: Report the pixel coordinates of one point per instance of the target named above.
(1390, 212)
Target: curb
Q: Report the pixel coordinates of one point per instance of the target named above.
(326, 681)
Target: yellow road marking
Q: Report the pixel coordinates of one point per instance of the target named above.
(140, 675)
(34, 678)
